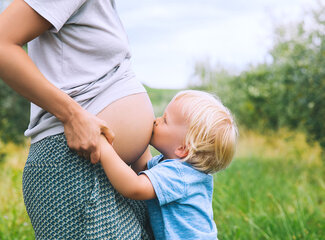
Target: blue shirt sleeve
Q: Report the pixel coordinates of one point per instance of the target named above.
(167, 180)
(154, 161)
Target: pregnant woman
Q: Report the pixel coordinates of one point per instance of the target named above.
(79, 80)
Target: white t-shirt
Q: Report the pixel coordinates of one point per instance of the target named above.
(86, 54)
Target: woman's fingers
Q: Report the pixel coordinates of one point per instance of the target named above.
(83, 154)
(95, 155)
(82, 133)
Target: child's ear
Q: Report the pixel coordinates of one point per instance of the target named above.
(181, 151)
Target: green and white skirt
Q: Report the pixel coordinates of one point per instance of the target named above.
(67, 197)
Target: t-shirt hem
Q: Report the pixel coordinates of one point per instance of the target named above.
(49, 132)
(113, 98)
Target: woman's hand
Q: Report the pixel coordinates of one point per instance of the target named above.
(83, 131)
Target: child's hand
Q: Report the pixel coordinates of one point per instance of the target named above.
(109, 135)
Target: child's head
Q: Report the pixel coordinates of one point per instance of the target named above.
(212, 133)
(202, 131)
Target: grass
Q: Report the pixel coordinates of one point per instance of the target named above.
(270, 199)
(14, 221)
(274, 189)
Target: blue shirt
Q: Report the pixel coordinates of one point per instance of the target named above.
(183, 207)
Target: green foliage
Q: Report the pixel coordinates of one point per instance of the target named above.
(298, 64)
(288, 92)
(14, 115)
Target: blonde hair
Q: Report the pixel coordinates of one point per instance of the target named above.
(212, 133)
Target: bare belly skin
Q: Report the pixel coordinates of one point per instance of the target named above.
(131, 118)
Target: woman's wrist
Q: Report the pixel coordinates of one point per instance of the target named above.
(68, 111)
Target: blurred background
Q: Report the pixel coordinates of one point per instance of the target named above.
(265, 59)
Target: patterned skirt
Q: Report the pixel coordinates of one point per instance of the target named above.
(67, 197)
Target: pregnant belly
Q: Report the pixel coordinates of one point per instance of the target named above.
(131, 118)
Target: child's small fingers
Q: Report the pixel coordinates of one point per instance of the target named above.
(109, 134)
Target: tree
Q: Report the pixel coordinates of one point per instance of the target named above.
(289, 91)
(299, 60)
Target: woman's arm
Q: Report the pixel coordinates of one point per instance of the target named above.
(122, 177)
(19, 24)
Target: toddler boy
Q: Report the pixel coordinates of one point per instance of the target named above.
(196, 137)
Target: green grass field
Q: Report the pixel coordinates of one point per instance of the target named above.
(274, 189)
(269, 199)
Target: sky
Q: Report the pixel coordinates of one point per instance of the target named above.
(168, 37)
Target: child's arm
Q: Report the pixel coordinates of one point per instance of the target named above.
(122, 177)
(141, 163)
